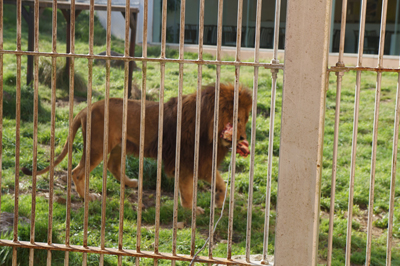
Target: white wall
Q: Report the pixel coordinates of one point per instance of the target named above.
(118, 21)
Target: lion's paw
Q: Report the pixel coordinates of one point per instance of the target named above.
(199, 210)
(131, 182)
(95, 197)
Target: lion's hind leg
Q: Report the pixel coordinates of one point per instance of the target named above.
(114, 166)
(96, 152)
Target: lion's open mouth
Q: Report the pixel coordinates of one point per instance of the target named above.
(242, 147)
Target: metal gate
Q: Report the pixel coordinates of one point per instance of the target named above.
(128, 59)
(301, 145)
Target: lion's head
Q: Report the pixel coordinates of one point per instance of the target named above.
(226, 103)
(226, 112)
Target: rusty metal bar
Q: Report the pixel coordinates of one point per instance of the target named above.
(251, 172)
(88, 132)
(70, 137)
(334, 165)
(342, 32)
(233, 163)
(166, 60)
(382, 32)
(197, 136)
(339, 75)
(235, 122)
(17, 133)
(373, 164)
(393, 177)
(375, 133)
(118, 252)
(53, 128)
(254, 117)
(106, 128)
(124, 132)
(178, 127)
(355, 131)
(160, 129)
(274, 73)
(142, 129)
(352, 168)
(214, 169)
(35, 129)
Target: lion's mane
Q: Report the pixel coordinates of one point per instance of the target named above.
(206, 128)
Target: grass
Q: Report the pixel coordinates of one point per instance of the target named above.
(241, 190)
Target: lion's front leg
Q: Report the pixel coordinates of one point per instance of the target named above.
(186, 191)
(114, 165)
(220, 190)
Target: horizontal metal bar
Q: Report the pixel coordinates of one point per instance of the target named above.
(119, 252)
(166, 60)
(78, 6)
(361, 68)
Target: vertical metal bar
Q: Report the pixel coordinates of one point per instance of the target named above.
(352, 168)
(106, 127)
(270, 157)
(355, 131)
(382, 33)
(235, 122)
(53, 125)
(334, 165)
(142, 129)
(124, 130)
(253, 122)
(375, 133)
(393, 176)
(197, 136)
(373, 164)
(251, 172)
(17, 132)
(342, 32)
(88, 131)
(178, 128)
(215, 126)
(70, 137)
(35, 128)
(160, 128)
(271, 127)
(276, 28)
(336, 130)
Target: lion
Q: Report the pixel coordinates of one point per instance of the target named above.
(169, 138)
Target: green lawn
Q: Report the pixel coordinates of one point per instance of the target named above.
(240, 214)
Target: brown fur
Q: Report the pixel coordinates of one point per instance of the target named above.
(169, 137)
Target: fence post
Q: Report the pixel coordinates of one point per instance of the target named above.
(303, 111)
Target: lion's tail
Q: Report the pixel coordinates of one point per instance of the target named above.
(75, 126)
